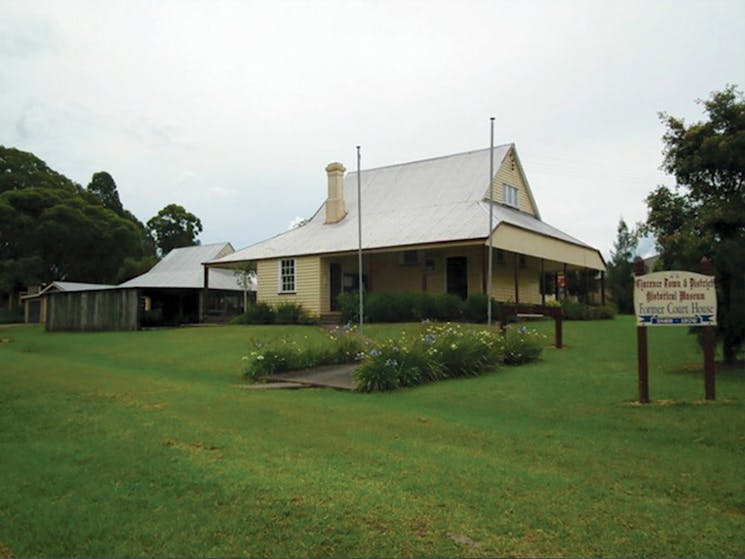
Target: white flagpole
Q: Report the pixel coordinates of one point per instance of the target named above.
(359, 236)
(491, 224)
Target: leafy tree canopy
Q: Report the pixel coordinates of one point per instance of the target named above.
(20, 170)
(53, 229)
(621, 268)
(174, 227)
(705, 214)
(103, 186)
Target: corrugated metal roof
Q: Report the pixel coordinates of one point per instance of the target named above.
(182, 268)
(78, 286)
(431, 201)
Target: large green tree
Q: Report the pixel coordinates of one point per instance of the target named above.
(705, 214)
(53, 229)
(104, 190)
(103, 186)
(621, 269)
(174, 227)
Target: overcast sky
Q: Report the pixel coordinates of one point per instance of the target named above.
(233, 109)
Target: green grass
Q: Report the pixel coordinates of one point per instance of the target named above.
(139, 444)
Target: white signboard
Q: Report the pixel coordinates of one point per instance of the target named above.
(675, 299)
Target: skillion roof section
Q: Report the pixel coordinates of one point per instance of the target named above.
(430, 201)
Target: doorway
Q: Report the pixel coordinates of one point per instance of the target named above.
(456, 274)
(334, 284)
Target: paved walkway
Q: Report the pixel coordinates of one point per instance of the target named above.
(332, 376)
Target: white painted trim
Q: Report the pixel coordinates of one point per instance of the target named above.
(281, 291)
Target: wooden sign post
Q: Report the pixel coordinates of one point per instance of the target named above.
(642, 363)
(674, 298)
(708, 346)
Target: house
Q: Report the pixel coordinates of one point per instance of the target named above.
(170, 293)
(425, 227)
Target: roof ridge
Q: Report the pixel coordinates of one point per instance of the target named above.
(223, 243)
(427, 159)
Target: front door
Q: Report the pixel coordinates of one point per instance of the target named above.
(456, 269)
(335, 284)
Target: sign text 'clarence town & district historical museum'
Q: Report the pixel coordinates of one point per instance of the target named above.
(675, 299)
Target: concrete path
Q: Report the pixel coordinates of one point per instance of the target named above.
(269, 385)
(332, 376)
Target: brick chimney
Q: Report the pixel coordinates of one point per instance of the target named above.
(335, 209)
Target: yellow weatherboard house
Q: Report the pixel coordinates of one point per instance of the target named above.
(425, 227)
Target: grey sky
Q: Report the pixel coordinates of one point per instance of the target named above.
(233, 109)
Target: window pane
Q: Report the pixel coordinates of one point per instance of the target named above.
(287, 274)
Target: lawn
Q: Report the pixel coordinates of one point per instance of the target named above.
(140, 444)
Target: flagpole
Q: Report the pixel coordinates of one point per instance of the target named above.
(359, 237)
(491, 222)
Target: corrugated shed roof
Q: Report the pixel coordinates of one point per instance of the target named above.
(78, 286)
(67, 286)
(182, 268)
(430, 201)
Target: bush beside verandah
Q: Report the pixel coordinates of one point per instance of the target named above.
(283, 313)
(413, 307)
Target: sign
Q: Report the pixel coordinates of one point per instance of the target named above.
(675, 298)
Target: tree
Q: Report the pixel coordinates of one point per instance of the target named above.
(621, 269)
(103, 186)
(53, 229)
(705, 215)
(174, 227)
(132, 267)
(245, 276)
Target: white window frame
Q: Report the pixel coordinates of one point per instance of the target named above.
(511, 195)
(287, 275)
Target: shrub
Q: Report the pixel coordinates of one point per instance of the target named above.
(291, 313)
(377, 375)
(347, 345)
(579, 311)
(282, 355)
(446, 307)
(474, 308)
(394, 364)
(401, 307)
(439, 351)
(575, 311)
(604, 312)
(256, 313)
(393, 307)
(522, 345)
(349, 305)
